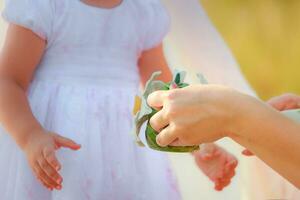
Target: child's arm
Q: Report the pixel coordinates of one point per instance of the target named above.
(21, 54)
(154, 60)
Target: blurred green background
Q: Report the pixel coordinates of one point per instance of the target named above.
(264, 36)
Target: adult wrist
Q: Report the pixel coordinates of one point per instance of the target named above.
(250, 112)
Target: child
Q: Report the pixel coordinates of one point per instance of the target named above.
(70, 69)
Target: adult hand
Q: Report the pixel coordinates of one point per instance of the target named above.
(197, 114)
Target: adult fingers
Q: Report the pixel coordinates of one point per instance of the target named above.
(176, 143)
(156, 99)
(159, 121)
(166, 137)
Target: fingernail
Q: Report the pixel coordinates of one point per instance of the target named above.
(158, 141)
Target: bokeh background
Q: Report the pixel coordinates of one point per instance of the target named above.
(264, 36)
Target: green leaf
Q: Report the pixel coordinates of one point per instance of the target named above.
(182, 85)
(177, 79)
(145, 110)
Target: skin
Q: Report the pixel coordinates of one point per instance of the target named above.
(281, 103)
(202, 114)
(38, 144)
(285, 102)
(217, 164)
(103, 3)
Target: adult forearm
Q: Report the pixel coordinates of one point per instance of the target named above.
(273, 138)
(15, 113)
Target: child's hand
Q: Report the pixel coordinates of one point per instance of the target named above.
(217, 164)
(40, 152)
(285, 102)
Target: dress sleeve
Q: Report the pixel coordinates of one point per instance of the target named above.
(35, 15)
(158, 25)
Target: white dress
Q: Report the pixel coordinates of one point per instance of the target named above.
(84, 89)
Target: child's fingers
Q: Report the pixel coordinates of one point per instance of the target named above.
(218, 186)
(206, 156)
(223, 184)
(224, 181)
(229, 175)
(49, 174)
(230, 165)
(285, 102)
(49, 155)
(65, 142)
(208, 151)
(247, 152)
(51, 166)
(44, 177)
(36, 172)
